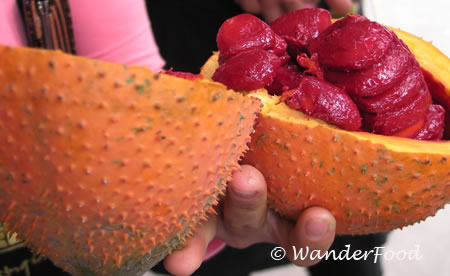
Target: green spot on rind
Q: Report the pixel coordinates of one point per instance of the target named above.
(140, 89)
(377, 201)
(382, 181)
(51, 64)
(217, 97)
(139, 130)
(364, 169)
(332, 171)
(131, 79)
(259, 139)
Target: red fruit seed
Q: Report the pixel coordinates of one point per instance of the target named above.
(320, 99)
(248, 70)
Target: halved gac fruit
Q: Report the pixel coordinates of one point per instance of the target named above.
(371, 183)
(106, 168)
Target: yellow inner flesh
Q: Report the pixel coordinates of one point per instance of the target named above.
(428, 56)
(284, 113)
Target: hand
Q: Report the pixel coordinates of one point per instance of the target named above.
(243, 219)
(272, 9)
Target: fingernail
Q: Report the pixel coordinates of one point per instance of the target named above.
(309, 5)
(248, 190)
(244, 194)
(316, 229)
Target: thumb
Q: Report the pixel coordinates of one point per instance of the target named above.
(341, 6)
(244, 207)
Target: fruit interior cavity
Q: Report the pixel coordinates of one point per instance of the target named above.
(354, 73)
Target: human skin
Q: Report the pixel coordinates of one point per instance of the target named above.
(272, 9)
(243, 219)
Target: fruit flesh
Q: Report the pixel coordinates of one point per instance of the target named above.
(257, 68)
(398, 95)
(394, 79)
(358, 46)
(246, 33)
(184, 75)
(371, 183)
(319, 99)
(249, 70)
(431, 131)
(375, 79)
(435, 68)
(364, 58)
(286, 77)
(391, 122)
(300, 27)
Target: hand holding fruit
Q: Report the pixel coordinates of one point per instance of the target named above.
(272, 9)
(148, 154)
(243, 219)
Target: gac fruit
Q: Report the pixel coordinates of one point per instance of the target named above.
(370, 182)
(105, 168)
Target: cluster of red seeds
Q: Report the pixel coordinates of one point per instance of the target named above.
(353, 73)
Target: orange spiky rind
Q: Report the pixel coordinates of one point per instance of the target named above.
(371, 183)
(106, 168)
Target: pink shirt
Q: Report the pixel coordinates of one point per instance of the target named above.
(111, 30)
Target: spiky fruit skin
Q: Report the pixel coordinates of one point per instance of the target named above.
(106, 169)
(371, 183)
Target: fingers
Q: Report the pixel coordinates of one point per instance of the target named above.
(271, 9)
(244, 208)
(340, 6)
(244, 220)
(189, 259)
(251, 6)
(292, 5)
(315, 230)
